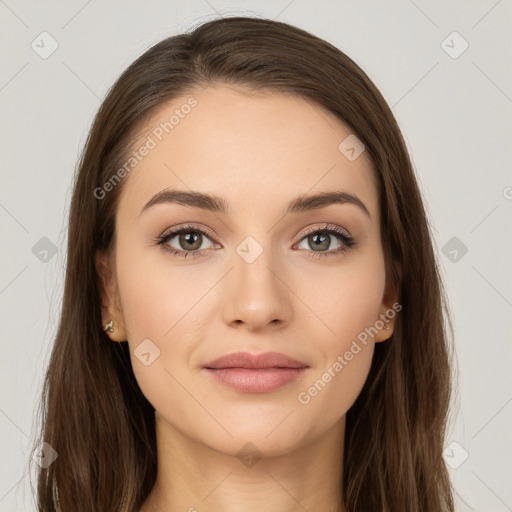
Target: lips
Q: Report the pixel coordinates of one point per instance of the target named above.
(246, 360)
(259, 373)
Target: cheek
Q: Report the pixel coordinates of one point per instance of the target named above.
(164, 303)
(349, 310)
(157, 295)
(346, 299)
(330, 393)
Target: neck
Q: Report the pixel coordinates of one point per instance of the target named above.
(195, 478)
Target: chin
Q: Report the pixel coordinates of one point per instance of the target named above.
(248, 450)
(249, 440)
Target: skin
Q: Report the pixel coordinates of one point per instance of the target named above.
(269, 148)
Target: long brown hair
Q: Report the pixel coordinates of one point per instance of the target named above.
(93, 412)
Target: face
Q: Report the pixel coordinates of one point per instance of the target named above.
(257, 276)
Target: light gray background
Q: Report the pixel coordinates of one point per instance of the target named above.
(455, 114)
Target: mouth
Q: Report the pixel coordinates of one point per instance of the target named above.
(260, 373)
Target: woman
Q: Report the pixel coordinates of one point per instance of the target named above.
(253, 314)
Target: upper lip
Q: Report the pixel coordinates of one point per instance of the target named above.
(246, 360)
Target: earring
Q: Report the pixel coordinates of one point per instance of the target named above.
(386, 327)
(109, 327)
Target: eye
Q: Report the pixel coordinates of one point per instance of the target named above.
(320, 239)
(189, 241)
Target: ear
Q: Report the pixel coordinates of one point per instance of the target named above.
(390, 306)
(110, 310)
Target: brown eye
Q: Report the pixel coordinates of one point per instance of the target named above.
(185, 241)
(189, 240)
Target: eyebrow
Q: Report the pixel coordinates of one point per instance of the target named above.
(217, 204)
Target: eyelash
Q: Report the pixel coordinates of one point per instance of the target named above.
(347, 240)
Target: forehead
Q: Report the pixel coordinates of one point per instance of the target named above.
(255, 149)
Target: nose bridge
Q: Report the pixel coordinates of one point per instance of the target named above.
(257, 295)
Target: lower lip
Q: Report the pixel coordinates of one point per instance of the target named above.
(255, 380)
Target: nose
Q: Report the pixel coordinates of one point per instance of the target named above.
(257, 295)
